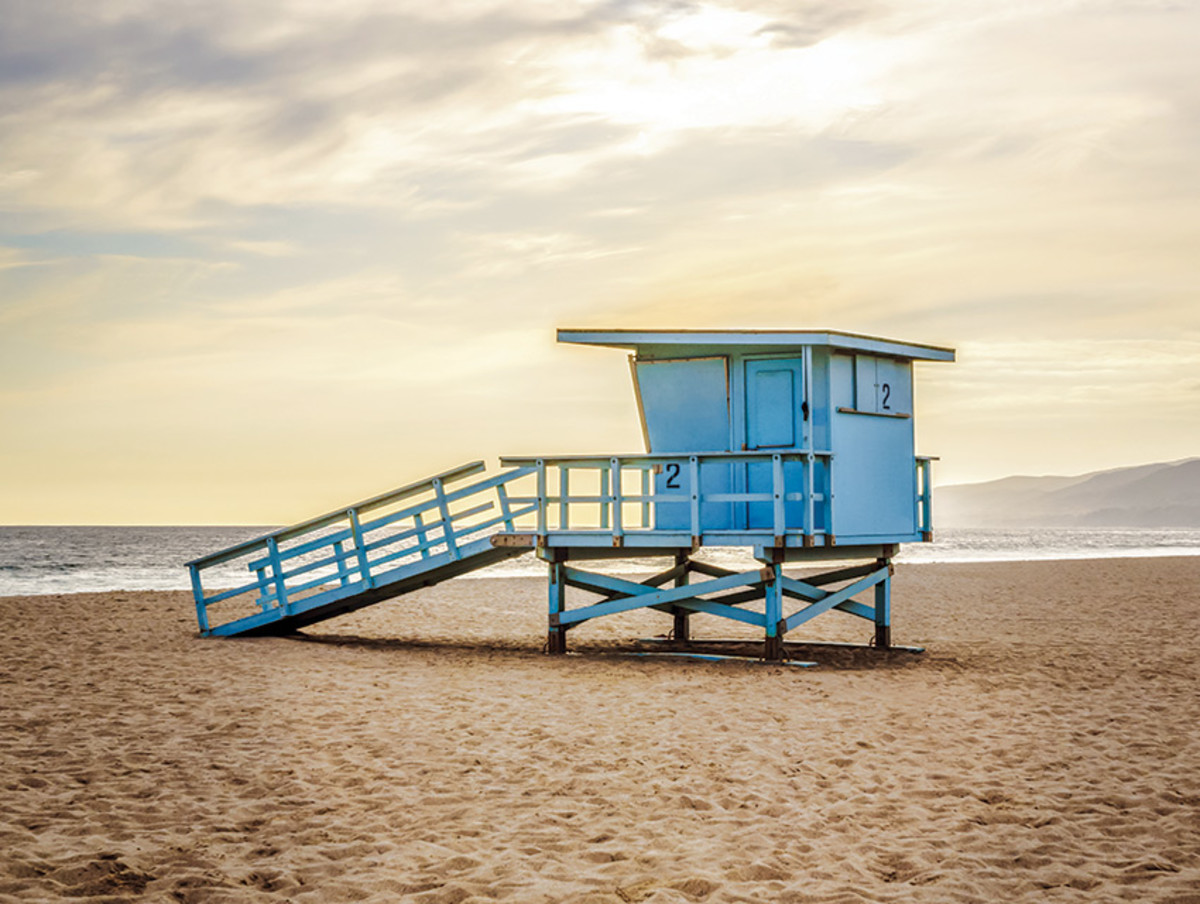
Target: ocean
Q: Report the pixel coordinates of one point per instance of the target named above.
(41, 560)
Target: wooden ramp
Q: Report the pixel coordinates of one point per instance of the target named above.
(411, 537)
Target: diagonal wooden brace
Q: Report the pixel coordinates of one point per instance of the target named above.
(837, 599)
(624, 595)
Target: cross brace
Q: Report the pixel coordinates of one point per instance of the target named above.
(722, 595)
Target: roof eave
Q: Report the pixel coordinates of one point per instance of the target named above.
(750, 339)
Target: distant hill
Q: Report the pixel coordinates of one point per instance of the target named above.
(1158, 495)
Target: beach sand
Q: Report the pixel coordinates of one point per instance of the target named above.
(1045, 748)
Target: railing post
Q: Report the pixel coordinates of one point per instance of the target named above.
(618, 524)
(364, 565)
(198, 594)
(827, 491)
(277, 573)
(923, 502)
(777, 511)
(694, 477)
(564, 490)
(646, 498)
(447, 519)
(810, 524)
(541, 501)
(604, 500)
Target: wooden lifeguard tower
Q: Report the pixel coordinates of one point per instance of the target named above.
(797, 445)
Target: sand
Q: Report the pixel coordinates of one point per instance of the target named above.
(1046, 748)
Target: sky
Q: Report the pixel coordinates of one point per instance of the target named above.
(258, 260)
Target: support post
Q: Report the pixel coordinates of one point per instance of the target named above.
(556, 637)
(775, 626)
(883, 607)
(682, 630)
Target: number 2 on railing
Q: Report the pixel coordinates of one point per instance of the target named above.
(672, 470)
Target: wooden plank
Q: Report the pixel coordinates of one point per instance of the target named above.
(526, 540)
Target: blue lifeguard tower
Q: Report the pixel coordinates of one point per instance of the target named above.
(797, 445)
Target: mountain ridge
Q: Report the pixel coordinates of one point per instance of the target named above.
(1161, 494)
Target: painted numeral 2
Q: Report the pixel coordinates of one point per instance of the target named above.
(887, 395)
(672, 476)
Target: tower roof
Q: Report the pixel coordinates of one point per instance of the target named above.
(653, 343)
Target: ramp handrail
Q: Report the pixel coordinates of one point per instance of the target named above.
(619, 510)
(359, 545)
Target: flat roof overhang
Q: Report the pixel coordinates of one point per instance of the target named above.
(672, 343)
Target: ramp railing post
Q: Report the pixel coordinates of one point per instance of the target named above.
(364, 564)
(447, 519)
(277, 572)
(343, 572)
(422, 535)
(505, 507)
(198, 594)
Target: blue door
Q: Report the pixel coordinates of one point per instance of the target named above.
(775, 421)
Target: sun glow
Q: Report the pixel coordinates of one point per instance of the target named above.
(717, 69)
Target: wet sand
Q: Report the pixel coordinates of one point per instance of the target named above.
(1045, 748)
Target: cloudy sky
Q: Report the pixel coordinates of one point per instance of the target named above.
(260, 259)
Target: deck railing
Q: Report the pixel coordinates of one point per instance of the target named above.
(924, 501)
(354, 548)
(644, 494)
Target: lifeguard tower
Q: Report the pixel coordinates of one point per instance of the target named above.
(797, 445)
